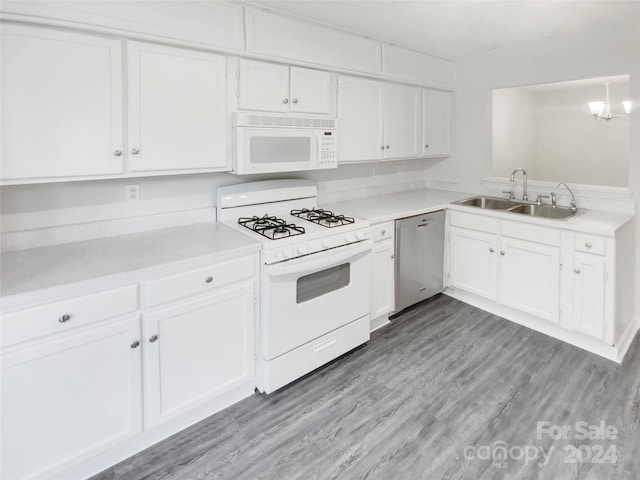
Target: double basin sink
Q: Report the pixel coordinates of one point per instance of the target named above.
(531, 209)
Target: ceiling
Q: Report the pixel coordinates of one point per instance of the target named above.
(456, 29)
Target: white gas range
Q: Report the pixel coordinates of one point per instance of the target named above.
(315, 285)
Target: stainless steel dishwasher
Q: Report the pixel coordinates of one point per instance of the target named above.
(419, 257)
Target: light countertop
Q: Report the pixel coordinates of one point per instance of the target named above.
(44, 274)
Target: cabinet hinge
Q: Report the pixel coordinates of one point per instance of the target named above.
(560, 265)
(238, 74)
(560, 312)
(606, 276)
(237, 93)
(255, 298)
(337, 86)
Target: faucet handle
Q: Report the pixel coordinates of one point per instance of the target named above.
(539, 199)
(512, 195)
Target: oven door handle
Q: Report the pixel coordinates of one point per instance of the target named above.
(314, 263)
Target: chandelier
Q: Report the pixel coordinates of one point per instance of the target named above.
(602, 110)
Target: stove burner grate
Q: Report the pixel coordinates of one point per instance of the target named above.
(271, 227)
(323, 217)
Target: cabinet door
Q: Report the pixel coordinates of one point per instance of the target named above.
(263, 86)
(588, 295)
(359, 119)
(177, 110)
(402, 121)
(382, 279)
(530, 278)
(61, 104)
(473, 262)
(312, 91)
(436, 121)
(197, 350)
(68, 398)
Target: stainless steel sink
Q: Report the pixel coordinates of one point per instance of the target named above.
(533, 210)
(543, 211)
(490, 203)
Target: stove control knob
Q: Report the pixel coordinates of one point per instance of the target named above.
(361, 235)
(302, 249)
(350, 237)
(287, 253)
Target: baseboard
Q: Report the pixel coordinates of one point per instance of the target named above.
(627, 339)
(609, 352)
(377, 323)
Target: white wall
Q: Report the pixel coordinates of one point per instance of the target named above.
(513, 132)
(27, 207)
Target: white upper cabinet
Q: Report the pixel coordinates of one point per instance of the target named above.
(359, 119)
(176, 108)
(402, 107)
(436, 123)
(415, 67)
(61, 104)
(270, 87)
(288, 38)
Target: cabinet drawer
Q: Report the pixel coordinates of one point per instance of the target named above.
(197, 281)
(61, 316)
(590, 243)
(530, 233)
(382, 231)
(473, 222)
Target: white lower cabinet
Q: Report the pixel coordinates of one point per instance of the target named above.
(196, 350)
(575, 286)
(70, 396)
(530, 277)
(382, 273)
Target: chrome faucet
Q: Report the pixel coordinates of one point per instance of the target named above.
(525, 197)
(573, 206)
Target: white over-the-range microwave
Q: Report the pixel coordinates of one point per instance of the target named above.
(271, 144)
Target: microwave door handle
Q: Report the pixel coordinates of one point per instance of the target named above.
(316, 161)
(303, 266)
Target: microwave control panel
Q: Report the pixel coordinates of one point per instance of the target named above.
(328, 154)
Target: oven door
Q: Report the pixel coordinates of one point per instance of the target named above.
(269, 150)
(308, 297)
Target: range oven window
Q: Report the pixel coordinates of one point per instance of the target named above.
(323, 282)
(265, 149)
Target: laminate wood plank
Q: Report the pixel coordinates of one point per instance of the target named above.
(443, 378)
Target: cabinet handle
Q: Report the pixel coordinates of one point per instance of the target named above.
(387, 147)
(491, 250)
(392, 257)
(153, 338)
(64, 318)
(576, 270)
(286, 100)
(502, 252)
(383, 232)
(135, 344)
(135, 151)
(382, 147)
(295, 100)
(209, 279)
(588, 245)
(118, 153)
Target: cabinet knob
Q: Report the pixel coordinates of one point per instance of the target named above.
(285, 100)
(426, 146)
(208, 279)
(383, 232)
(135, 151)
(382, 147)
(64, 318)
(576, 270)
(295, 100)
(387, 147)
(135, 344)
(588, 245)
(502, 252)
(153, 338)
(491, 250)
(118, 153)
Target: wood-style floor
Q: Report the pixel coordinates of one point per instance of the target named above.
(429, 397)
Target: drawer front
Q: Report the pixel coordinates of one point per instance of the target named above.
(473, 222)
(382, 231)
(61, 316)
(193, 282)
(530, 233)
(590, 243)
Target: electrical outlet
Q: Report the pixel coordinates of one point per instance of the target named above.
(132, 192)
